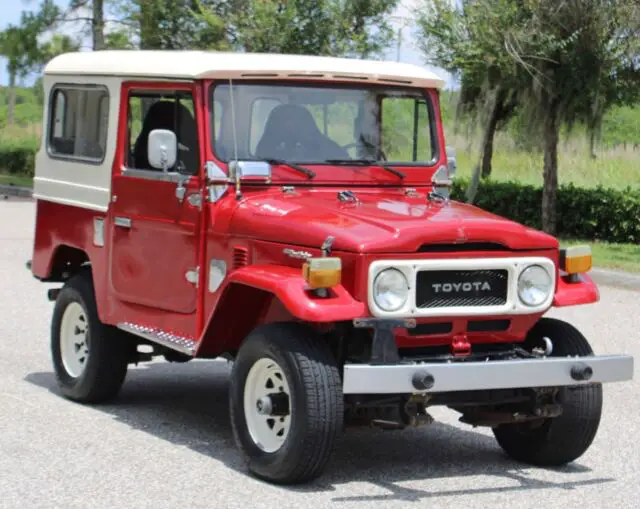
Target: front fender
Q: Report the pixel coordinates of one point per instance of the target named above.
(574, 293)
(287, 284)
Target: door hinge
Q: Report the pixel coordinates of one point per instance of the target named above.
(193, 276)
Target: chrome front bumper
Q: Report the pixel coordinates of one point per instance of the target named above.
(472, 376)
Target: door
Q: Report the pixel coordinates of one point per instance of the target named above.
(155, 214)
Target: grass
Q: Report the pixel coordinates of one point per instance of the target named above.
(612, 256)
(616, 168)
(16, 180)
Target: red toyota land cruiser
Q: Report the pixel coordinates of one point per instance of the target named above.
(292, 213)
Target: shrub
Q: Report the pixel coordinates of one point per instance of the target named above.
(600, 214)
(17, 157)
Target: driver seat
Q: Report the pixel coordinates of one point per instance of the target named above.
(290, 126)
(174, 117)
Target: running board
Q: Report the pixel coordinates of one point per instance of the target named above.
(167, 339)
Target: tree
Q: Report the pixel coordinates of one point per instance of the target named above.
(91, 14)
(562, 62)
(357, 28)
(172, 24)
(589, 63)
(19, 45)
(468, 42)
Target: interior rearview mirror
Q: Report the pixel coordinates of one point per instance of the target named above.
(451, 161)
(162, 149)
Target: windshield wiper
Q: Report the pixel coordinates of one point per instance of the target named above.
(280, 162)
(366, 162)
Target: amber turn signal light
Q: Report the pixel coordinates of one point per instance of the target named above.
(576, 259)
(322, 272)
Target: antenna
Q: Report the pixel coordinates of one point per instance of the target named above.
(235, 141)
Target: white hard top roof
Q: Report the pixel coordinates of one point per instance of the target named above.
(221, 65)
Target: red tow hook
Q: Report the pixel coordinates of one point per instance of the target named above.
(460, 346)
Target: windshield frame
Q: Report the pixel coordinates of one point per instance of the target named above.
(425, 93)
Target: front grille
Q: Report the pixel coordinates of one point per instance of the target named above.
(461, 288)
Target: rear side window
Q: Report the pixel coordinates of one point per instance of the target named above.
(78, 122)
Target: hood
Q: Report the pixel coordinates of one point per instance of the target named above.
(380, 221)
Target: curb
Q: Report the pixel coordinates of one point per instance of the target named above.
(616, 278)
(11, 190)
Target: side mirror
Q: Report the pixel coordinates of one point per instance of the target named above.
(162, 149)
(259, 170)
(451, 161)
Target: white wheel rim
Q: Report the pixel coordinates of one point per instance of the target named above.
(74, 348)
(264, 380)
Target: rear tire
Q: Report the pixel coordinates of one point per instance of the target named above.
(90, 359)
(559, 440)
(291, 359)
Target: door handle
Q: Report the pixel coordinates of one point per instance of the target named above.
(122, 222)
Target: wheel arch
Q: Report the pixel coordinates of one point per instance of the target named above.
(240, 309)
(259, 295)
(66, 260)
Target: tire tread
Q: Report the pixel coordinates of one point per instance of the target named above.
(322, 384)
(568, 436)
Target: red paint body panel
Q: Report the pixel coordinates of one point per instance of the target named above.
(383, 221)
(288, 286)
(573, 294)
(517, 331)
(60, 225)
(149, 261)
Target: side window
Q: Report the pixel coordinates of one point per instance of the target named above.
(260, 110)
(407, 130)
(172, 110)
(78, 122)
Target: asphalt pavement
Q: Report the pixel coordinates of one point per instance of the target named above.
(167, 443)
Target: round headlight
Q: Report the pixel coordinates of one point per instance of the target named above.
(534, 285)
(390, 290)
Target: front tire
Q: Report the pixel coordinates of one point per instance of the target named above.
(90, 359)
(286, 403)
(559, 440)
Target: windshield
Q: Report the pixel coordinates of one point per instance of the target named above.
(323, 124)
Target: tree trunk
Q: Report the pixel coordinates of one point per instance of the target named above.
(98, 25)
(550, 187)
(11, 105)
(592, 143)
(487, 142)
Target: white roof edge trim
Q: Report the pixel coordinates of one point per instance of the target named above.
(164, 64)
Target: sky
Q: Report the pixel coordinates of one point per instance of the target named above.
(409, 53)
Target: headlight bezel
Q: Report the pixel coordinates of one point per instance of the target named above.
(405, 284)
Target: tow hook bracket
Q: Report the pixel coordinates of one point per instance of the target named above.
(383, 349)
(461, 346)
